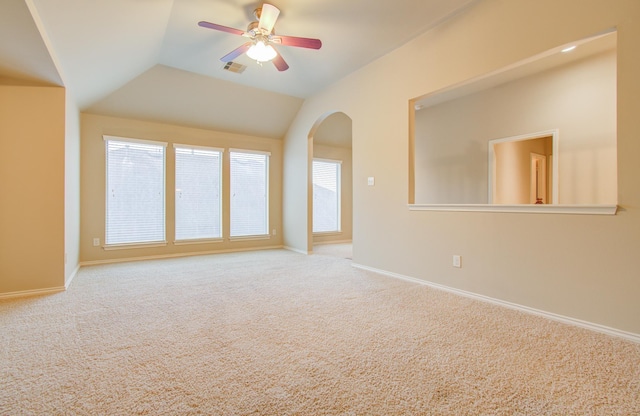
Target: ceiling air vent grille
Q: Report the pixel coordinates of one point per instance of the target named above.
(234, 67)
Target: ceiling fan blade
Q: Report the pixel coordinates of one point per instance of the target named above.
(221, 28)
(236, 52)
(299, 42)
(280, 63)
(268, 17)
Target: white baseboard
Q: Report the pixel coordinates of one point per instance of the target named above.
(41, 292)
(68, 281)
(630, 336)
(174, 255)
(34, 292)
(297, 250)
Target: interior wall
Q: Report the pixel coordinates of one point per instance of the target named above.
(578, 266)
(513, 169)
(579, 99)
(93, 185)
(32, 185)
(71, 189)
(346, 188)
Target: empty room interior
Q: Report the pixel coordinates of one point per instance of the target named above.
(319, 207)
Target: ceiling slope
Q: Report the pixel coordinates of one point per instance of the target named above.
(23, 54)
(111, 54)
(179, 97)
(103, 44)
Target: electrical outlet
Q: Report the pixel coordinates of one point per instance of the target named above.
(96, 242)
(457, 261)
(371, 181)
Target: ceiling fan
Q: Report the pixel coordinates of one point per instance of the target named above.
(262, 36)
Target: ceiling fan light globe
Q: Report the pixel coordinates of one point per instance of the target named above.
(261, 52)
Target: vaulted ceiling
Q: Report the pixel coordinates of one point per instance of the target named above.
(149, 59)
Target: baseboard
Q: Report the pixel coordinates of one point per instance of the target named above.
(68, 281)
(630, 336)
(322, 243)
(34, 292)
(175, 255)
(297, 250)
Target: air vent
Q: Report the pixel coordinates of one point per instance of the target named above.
(234, 67)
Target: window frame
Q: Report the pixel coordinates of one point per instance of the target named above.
(136, 244)
(266, 234)
(203, 240)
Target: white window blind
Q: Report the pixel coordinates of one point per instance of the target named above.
(249, 193)
(198, 193)
(326, 196)
(135, 191)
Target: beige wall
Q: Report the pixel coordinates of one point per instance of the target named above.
(71, 189)
(580, 266)
(578, 99)
(513, 170)
(93, 184)
(32, 186)
(346, 185)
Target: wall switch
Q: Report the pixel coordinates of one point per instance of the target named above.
(96, 242)
(457, 261)
(371, 181)
(273, 232)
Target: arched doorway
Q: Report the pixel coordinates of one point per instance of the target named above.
(331, 181)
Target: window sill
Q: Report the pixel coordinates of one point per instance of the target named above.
(327, 233)
(134, 245)
(198, 241)
(250, 237)
(527, 209)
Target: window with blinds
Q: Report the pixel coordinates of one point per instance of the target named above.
(135, 211)
(249, 193)
(198, 192)
(326, 196)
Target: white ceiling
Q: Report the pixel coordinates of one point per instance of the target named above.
(149, 59)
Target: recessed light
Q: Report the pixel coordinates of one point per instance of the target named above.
(569, 48)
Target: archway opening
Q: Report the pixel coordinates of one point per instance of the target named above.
(331, 184)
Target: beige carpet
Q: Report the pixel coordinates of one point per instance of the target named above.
(279, 333)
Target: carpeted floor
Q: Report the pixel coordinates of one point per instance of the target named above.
(280, 333)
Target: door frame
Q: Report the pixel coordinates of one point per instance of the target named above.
(553, 163)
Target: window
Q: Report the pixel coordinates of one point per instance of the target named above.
(135, 191)
(249, 193)
(198, 192)
(326, 196)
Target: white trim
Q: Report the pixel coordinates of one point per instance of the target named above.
(198, 241)
(322, 243)
(109, 247)
(128, 139)
(250, 237)
(323, 233)
(255, 152)
(205, 148)
(554, 133)
(295, 250)
(68, 281)
(630, 336)
(174, 255)
(524, 208)
(34, 292)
